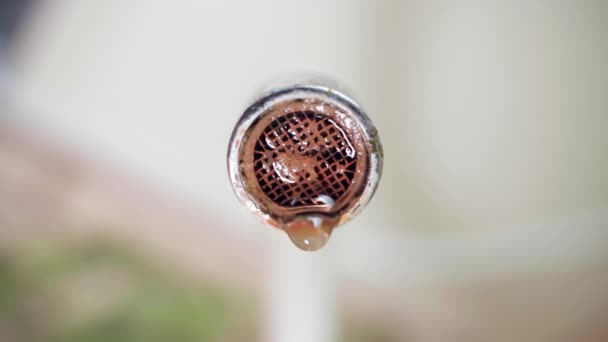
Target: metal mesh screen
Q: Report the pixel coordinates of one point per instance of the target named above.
(304, 158)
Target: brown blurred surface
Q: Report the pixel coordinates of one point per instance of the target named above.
(49, 192)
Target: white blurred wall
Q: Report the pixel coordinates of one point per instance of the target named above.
(490, 114)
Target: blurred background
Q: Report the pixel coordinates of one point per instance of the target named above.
(118, 223)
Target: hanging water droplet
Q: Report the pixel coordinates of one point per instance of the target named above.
(309, 233)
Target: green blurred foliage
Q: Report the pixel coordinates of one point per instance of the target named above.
(363, 331)
(103, 291)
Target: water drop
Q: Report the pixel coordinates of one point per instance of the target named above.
(327, 200)
(309, 233)
(269, 142)
(284, 172)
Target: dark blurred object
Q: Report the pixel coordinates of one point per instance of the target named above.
(12, 14)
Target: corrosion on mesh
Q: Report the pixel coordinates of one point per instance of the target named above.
(304, 155)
